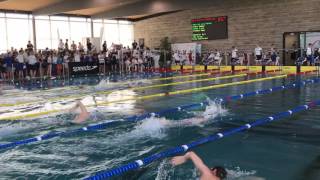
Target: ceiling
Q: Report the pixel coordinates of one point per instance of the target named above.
(112, 9)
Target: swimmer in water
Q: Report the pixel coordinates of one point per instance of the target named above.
(84, 115)
(206, 173)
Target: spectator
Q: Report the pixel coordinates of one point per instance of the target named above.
(89, 45)
(60, 46)
(29, 46)
(104, 47)
(134, 44)
(273, 55)
(258, 54)
(73, 46)
(234, 55)
(32, 61)
(309, 54)
(66, 45)
(20, 64)
(8, 60)
(80, 47)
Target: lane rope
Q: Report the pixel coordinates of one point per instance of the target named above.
(186, 147)
(136, 88)
(106, 124)
(120, 83)
(32, 115)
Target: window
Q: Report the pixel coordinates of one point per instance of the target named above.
(59, 30)
(19, 32)
(111, 33)
(43, 34)
(16, 30)
(79, 30)
(126, 34)
(3, 36)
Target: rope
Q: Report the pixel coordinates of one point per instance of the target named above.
(104, 125)
(125, 83)
(194, 89)
(30, 115)
(186, 147)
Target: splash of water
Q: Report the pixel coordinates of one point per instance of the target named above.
(237, 173)
(164, 170)
(214, 109)
(151, 127)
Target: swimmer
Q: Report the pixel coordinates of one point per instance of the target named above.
(83, 115)
(206, 173)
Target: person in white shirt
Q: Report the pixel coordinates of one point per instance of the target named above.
(49, 59)
(258, 53)
(176, 57)
(32, 61)
(54, 63)
(140, 63)
(101, 58)
(217, 57)
(77, 56)
(309, 54)
(61, 46)
(66, 59)
(21, 64)
(136, 53)
(234, 55)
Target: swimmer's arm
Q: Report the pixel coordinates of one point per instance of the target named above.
(197, 161)
(81, 106)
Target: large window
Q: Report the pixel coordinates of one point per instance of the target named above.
(112, 31)
(43, 33)
(15, 30)
(61, 27)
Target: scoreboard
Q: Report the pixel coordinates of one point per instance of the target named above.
(210, 28)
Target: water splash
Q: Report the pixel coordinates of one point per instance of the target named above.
(237, 173)
(151, 127)
(164, 170)
(214, 109)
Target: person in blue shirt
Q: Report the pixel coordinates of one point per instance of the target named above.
(8, 61)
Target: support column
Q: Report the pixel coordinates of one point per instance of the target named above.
(34, 33)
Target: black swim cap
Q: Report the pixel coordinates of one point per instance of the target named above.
(220, 172)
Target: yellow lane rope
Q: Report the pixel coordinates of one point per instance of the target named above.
(32, 115)
(194, 90)
(120, 83)
(135, 88)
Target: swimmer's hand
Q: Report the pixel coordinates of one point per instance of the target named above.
(178, 160)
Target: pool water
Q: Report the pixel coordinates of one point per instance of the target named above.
(283, 150)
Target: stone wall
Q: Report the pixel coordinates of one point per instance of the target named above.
(249, 22)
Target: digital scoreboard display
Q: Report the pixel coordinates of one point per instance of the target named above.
(210, 28)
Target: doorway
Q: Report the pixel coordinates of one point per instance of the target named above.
(291, 44)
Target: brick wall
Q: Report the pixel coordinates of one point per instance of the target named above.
(249, 22)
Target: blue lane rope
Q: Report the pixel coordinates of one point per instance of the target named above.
(186, 147)
(104, 125)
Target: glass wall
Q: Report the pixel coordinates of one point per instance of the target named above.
(49, 29)
(113, 31)
(17, 29)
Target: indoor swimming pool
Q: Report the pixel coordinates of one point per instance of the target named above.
(287, 149)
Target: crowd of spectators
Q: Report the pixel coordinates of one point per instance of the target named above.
(48, 63)
(258, 56)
